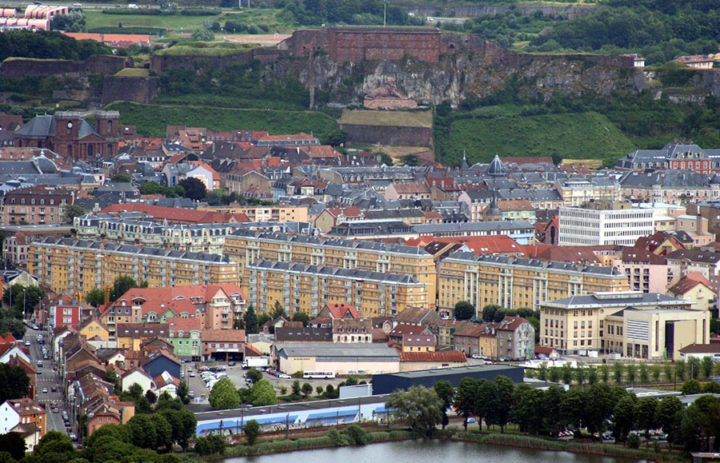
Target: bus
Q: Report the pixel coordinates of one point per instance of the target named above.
(319, 375)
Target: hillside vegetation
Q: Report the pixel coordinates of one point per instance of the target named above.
(152, 120)
(586, 135)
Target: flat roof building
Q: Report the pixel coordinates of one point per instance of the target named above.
(387, 383)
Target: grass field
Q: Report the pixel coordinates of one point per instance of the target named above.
(151, 120)
(586, 135)
(187, 24)
(206, 49)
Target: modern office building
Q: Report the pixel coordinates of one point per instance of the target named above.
(604, 222)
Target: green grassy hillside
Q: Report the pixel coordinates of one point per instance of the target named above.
(151, 120)
(585, 135)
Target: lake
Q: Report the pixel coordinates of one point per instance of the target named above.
(428, 451)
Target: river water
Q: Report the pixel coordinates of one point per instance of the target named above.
(428, 452)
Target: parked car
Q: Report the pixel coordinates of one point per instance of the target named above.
(231, 364)
(283, 376)
(191, 374)
(73, 437)
(45, 390)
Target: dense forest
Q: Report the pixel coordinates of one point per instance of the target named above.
(46, 45)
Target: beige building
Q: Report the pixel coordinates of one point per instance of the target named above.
(246, 248)
(340, 358)
(277, 213)
(599, 323)
(308, 288)
(78, 266)
(518, 282)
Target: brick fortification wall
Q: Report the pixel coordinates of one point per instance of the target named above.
(385, 135)
(137, 89)
(21, 67)
(369, 43)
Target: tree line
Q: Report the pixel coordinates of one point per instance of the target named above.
(48, 45)
(599, 410)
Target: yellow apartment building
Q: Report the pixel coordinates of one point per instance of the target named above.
(78, 266)
(280, 213)
(308, 288)
(632, 323)
(247, 248)
(517, 283)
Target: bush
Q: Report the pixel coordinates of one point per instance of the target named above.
(356, 435)
(633, 441)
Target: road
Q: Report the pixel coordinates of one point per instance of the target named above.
(47, 378)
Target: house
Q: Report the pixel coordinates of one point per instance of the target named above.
(136, 376)
(165, 382)
(260, 342)
(544, 352)
(476, 339)
(419, 343)
(184, 335)
(341, 358)
(29, 370)
(700, 351)
(413, 361)
(92, 328)
(22, 411)
(515, 338)
(694, 287)
(30, 433)
(417, 316)
(222, 345)
(131, 335)
(158, 361)
(407, 190)
(352, 330)
(401, 330)
(303, 334)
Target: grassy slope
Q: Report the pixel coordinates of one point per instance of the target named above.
(573, 135)
(151, 120)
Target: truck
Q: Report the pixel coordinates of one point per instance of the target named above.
(255, 362)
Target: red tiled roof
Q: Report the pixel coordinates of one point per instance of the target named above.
(175, 215)
(688, 282)
(449, 356)
(419, 340)
(222, 335)
(186, 325)
(497, 244)
(402, 330)
(342, 310)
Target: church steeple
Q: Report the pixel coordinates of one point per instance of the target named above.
(464, 165)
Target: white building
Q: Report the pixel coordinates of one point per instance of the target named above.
(604, 223)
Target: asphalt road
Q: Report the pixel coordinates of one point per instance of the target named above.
(47, 378)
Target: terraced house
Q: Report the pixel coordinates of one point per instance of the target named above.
(78, 266)
(515, 283)
(308, 288)
(247, 248)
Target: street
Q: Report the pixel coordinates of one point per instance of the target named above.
(48, 378)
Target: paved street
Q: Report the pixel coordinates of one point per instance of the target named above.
(48, 378)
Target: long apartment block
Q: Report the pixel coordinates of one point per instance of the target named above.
(308, 288)
(247, 248)
(518, 282)
(77, 266)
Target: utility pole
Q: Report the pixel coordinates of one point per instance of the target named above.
(385, 13)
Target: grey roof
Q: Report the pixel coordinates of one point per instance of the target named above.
(85, 130)
(666, 179)
(38, 127)
(535, 263)
(443, 372)
(493, 226)
(344, 273)
(619, 299)
(366, 352)
(496, 167)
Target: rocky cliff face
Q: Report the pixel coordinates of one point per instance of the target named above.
(458, 76)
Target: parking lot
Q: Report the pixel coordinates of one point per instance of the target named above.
(237, 375)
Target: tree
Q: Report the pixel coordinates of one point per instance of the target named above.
(488, 312)
(251, 321)
(527, 409)
(618, 372)
(680, 370)
(194, 188)
(630, 373)
(254, 375)
(120, 178)
(694, 365)
(95, 297)
(567, 373)
(135, 390)
(592, 375)
(14, 444)
(419, 406)
(646, 414)
(572, 407)
(71, 212)
(203, 35)
(151, 396)
(691, 386)
(55, 447)
(599, 407)
(624, 417)
(445, 392)
(465, 397)
(464, 311)
(499, 412)
(121, 285)
(307, 389)
(142, 431)
(263, 393)
(301, 317)
(252, 431)
(182, 392)
(223, 395)
(644, 374)
(14, 382)
(669, 416)
(296, 387)
(707, 366)
(163, 432)
(277, 311)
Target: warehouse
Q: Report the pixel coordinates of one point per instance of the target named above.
(387, 383)
(340, 358)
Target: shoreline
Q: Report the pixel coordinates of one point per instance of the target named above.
(492, 438)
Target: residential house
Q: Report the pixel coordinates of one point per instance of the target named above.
(22, 411)
(694, 287)
(407, 190)
(158, 361)
(222, 345)
(352, 330)
(288, 333)
(515, 338)
(184, 335)
(419, 343)
(139, 377)
(131, 335)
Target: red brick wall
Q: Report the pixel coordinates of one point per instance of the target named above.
(383, 44)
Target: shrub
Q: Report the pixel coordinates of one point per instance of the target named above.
(356, 435)
(633, 441)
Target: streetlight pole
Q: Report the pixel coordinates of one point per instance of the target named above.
(385, 2)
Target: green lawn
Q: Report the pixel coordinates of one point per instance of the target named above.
(151, 120)
(586, 135)
(272, 18)
(176, 23)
